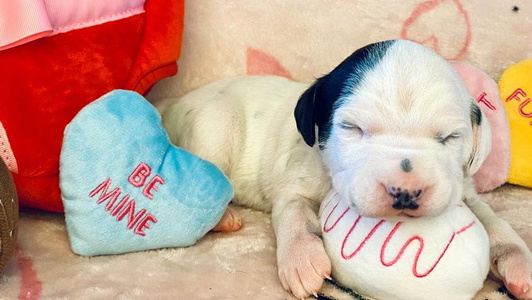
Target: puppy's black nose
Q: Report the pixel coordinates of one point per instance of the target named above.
(403, 199)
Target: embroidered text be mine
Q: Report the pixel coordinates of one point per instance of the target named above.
(138, 221)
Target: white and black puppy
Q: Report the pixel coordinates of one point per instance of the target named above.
(392, 128)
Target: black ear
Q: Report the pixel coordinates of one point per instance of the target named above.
(305, 114)
(315, 107)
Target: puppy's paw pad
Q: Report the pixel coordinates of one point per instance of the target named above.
(230, 221)
(303, 264)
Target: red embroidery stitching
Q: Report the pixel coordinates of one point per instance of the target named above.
(368, 236)
(338, 220)
(132, 217)
(144, 224)
(136, 220)
(111, 203)
(152, 186)
(466, 227)
(522, 109)
(516, 95)
(482, 98)
(415, 270)
(142, 172)
(104, 195)
(418, 253)
(139, 177)
(119, 206)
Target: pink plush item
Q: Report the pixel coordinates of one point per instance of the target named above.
(494, 172)
(22, 22)
(25, 21)
(70, 15)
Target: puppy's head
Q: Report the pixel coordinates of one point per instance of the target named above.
(397, 128)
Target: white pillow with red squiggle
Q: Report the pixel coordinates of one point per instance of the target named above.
(446, 257)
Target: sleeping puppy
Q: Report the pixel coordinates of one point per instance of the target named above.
(392, 128)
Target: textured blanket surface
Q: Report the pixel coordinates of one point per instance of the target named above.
(239, 265)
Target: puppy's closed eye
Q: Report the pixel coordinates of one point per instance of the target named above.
(348, 126)
(345, 125)
(445, 139)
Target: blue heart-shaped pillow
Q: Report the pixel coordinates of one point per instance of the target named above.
(126, 188)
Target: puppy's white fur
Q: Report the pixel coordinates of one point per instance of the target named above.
(409, 105)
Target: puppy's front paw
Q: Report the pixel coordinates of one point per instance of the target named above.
(303, 264)
(515, 269)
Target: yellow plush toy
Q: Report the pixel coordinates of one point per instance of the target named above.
(515, 87)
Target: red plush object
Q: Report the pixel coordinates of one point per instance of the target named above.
(45, 82)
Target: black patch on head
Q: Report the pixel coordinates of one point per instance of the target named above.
(316, 105)
(515, 9)
(476, 114)
(406, 165)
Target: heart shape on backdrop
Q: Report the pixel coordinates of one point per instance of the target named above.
(126, 188)
(425, 23)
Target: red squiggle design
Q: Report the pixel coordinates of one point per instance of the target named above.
(433, 39)
(337, 220)
(419, 251)
(30, 285)
(390, 236)
(370, 234)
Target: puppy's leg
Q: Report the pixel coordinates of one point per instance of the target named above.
(301, 258)
(511, 260)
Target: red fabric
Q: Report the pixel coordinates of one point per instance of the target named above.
(46, 82)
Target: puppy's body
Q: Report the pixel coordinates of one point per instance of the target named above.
(246, 127)
(392, 129)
